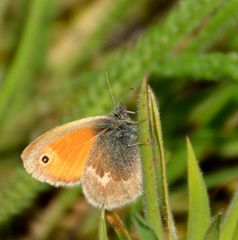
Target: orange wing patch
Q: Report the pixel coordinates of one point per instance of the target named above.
(69, 154)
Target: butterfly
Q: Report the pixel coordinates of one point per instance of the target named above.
(100, 153)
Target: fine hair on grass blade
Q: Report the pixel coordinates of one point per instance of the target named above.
(160, 167)
(199, 211)
(151, 201)
(213, 232)
(118, 226)
(102, 226)
(229, 226)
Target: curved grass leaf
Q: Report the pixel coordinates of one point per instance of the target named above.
(199, 211)
(145, 231)
(151, 202)
(213, 231)
(229, 227)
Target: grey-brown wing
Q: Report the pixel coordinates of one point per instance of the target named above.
(113, 176)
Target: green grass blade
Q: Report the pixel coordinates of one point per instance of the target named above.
(213, 231)
(160, 166)
(151, 202)
(229, 227)
(102, 226)
(211, 67)
(199, 211)
(145, 231)
(204, 139)
(25, 59)
(221, 177)
(206, 110)
(218, 24)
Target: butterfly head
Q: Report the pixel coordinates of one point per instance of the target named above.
(120, 112)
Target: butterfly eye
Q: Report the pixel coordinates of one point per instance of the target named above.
(45, 159)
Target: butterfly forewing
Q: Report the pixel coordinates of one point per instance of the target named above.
(59, 156)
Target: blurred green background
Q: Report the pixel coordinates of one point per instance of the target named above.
(53, 59)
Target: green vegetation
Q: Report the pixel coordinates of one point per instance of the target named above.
(53, 59)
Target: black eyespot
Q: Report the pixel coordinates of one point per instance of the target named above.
(45, 159)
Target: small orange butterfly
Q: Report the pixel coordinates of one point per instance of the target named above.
(98, 152)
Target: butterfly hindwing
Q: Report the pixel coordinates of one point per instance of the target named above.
(112, 177)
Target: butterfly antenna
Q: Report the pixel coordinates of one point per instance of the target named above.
(110, 89)
(123, 97)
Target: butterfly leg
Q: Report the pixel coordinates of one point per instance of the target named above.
(140, 143)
